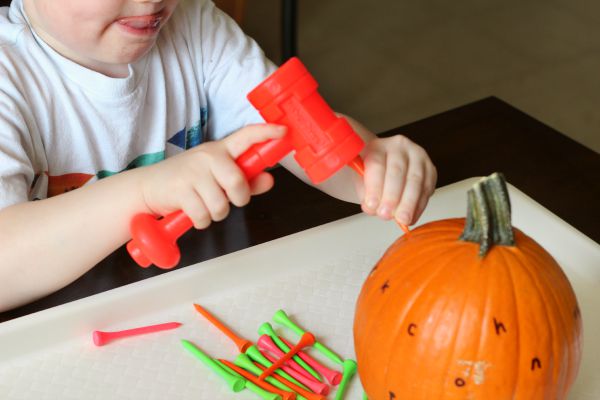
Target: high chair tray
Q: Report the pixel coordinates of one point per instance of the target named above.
(314, 275)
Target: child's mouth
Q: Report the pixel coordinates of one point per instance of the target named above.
(142, 25)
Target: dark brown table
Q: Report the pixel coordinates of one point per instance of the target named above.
(474, 140)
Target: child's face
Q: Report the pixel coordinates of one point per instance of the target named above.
(104, 35)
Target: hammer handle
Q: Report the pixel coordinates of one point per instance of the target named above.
(252, 162)
(262, 156)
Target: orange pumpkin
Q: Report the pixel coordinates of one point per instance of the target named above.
(468, 309)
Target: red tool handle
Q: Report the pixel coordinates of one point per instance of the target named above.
(155, 240)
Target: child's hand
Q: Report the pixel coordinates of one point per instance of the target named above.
(204, 180)
(399, 179)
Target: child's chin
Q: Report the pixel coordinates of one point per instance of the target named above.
(133, 54)
(117, 65)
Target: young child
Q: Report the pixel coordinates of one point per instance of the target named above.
(140, 105)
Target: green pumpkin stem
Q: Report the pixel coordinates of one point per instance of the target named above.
(488, 214)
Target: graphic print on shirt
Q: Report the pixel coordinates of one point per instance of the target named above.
(192, 137)
(184, 139)
(140, 161)
(60, 184)
(34, 184)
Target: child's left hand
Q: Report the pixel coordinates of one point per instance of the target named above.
(398, 181)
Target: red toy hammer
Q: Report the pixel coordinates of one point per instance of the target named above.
(323, 144)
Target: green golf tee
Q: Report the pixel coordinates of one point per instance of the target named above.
(266, 395)
(244, 361)
(282, 318)
(254, 353)
(267, 329)
(236, 383)
(349, 372)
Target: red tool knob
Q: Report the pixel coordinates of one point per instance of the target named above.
(154, 241)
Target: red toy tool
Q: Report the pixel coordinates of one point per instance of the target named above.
(323, 144)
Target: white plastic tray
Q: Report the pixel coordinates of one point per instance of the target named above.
(314, 275)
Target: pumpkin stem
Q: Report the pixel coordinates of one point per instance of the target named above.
(488, 214)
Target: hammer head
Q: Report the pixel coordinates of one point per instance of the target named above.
(323, 142)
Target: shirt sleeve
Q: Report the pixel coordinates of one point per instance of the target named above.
(232, 64)
(16, 152)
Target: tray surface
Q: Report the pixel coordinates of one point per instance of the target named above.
(314, 275)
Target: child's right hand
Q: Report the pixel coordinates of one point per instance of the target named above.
(203, 181)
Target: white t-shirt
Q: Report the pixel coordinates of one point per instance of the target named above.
(63, 125)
